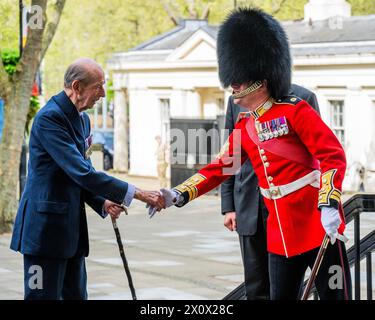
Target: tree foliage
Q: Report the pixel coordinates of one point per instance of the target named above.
(97, 28)
(16, 83)
(10, 60)
(9, 24)
(362, 7)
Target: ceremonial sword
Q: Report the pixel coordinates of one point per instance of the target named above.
(122, 254)
(316, 266)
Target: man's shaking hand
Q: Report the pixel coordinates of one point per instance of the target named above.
(170, 199)
(152, 198)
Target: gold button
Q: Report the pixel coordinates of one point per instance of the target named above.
(272, 185)
(267, 164)
(320, 197)
(261, 151)
(324, 180)
(270, 178)
(264, 158)
(274, 192)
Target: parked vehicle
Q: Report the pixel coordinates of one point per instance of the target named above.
(105, 138)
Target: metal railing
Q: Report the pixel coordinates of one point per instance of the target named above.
(362, 248)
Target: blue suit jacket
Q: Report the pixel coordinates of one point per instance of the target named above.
(51, 218)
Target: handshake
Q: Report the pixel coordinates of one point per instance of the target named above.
(167, 198)
(155, 200)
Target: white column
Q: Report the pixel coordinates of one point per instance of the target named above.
(356, 123)
(185, 103)
(120, 161)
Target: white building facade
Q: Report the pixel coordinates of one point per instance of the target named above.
(175, 76)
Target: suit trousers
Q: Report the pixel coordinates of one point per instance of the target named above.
(54, 279)
(333, 280)
(255, 259)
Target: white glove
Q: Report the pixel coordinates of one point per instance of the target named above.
(170, 197)
(331, 221)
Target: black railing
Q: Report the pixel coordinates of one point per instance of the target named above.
(353, 208)
(361, 249)
(367, 246)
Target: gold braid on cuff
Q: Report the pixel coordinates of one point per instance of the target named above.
(189, 186)
(328, 194)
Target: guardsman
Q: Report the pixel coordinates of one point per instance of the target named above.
(162, 161)
(299, 162)
(245, 212)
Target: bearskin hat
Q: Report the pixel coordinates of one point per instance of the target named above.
(252, 45)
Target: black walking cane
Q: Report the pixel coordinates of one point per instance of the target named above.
(316, 266)
(122, 254)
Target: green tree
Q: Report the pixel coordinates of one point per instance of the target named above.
(362, 7)
(15, 90)
(10, 60)
(8, 23)
(97, 29)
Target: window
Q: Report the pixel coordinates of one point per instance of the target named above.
(337, 119)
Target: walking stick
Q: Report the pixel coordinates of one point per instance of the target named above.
(315, 269)
(122, 254)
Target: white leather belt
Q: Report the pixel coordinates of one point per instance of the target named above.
(277, 192)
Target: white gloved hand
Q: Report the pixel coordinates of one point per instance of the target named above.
(170, 198)
(331, 221)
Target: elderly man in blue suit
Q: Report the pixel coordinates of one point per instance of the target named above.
(50, 229)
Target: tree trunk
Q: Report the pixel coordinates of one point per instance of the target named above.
(16, 108)
(16, 92)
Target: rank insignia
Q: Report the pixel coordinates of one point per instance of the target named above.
(271, 129)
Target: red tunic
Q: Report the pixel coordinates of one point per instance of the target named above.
(293, 225)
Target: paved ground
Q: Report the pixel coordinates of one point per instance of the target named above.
(181, 254)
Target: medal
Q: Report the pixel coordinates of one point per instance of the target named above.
(271, 129)
(88, 146)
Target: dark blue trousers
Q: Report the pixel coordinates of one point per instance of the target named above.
(54, 279)
(255, 259)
